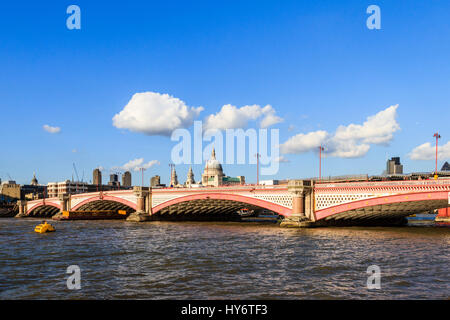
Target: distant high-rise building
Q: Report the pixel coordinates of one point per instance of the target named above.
(155, 181)
(393, 166)
(113, 179)
(126, 179)
(97, 177)
(446, 166)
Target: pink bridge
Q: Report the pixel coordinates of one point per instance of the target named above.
(327, 202)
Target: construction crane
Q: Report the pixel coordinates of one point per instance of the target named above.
(76, 173)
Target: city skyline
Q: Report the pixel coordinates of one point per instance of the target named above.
(69, 95)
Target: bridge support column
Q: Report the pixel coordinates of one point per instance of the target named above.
(302, 212)
(64, 200)
(143, 205)
(22, 204)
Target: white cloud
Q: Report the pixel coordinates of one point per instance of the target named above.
(153, 113)
(231, 117)
(351, 141)
(304, 142)
(136, 165)
(377, 129)
(427, 151)
(270, 118)
(282, 159)
(345, 148)
(51, 129)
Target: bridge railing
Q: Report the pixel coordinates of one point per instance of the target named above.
(224, 187)
(198, 189)
(385, 183)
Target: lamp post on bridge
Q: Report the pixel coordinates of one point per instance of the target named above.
(438, 136)
(320, 162)
(142, 173)
(257, 155)
(117, 173)
(45, 191)
(207, 173)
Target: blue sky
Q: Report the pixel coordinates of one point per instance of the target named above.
(315, 62)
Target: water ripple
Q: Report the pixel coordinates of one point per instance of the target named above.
(194, 260)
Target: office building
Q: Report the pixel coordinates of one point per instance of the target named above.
(126, 179)
(393, 166)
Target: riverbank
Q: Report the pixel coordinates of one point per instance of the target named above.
(8, 211)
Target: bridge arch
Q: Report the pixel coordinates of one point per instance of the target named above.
(44, 210)
(105, 203)
(391, 206)
(204, 204)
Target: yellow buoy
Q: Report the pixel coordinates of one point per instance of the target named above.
(44, 227)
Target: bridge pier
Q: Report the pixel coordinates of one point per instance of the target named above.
(22, 209)
(64, 202)
(302, 205)
(144, 205)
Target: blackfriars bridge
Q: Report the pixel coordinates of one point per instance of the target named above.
(300, 202)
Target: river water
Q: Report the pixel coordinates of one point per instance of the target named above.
(221, 260)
